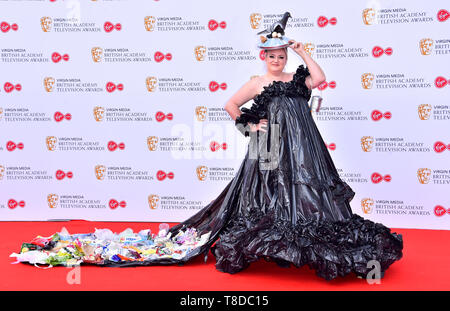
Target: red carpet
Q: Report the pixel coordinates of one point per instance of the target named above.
(424, 266)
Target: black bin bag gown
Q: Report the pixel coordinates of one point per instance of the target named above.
(295, 213)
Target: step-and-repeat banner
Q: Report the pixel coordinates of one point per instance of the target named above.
(114, 110)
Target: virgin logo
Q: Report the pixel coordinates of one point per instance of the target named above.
(322, 21)
(213, 25)
(10, 146)
(214, 86)
(5, 27)
(108, 26)
(160, 116)
(262, 55)
(439, 146)
(378, 115)
(61, 175)
(112, 146)
(440, 82)
(216, 146)
(443, 15)
(9, 87)
(331, 146)
(325, 84)
(59, 116)
(113, 204)
(377, 178)
(111, 87)
(159, 57)
(440, 210)
(378, 51)
(161, 175)
(12, 204)
(56, 57)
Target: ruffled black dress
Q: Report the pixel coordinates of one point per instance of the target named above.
(296, 212)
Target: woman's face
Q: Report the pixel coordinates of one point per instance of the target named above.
(276, 60)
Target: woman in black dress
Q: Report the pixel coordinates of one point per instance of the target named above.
(287, 203)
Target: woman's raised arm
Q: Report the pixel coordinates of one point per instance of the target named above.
(317, 76)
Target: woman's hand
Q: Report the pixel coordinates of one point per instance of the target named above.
(297, 47)
(258, 127)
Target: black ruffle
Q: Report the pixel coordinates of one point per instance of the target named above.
(331, 248)
(294, 88)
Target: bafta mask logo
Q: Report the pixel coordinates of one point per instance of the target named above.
(51, 143)
(369, 16)
(255, 20)
(424, 111)
(46, 23)
(49, 84)
(99, 113)
(2, 171)
(367, 81)
(149, 22)
(97, 54)
(1, 113)
(152, 143)
(367, 143)
(200, 52)
(426, 46)
(200, 112)
(151, 83)
(201, 172)
(100, 172)
(309, 48)
(52, 200)
(367, 205)
(423, 174)
(153, 201)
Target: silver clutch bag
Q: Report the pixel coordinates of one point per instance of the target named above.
(315, 102)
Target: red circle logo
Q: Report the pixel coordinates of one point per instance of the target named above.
(439, 146)
(113, 204)
(376, 115)
(322, 21)
(56, 57)
(213, 25)
(213, 86)
(159, 57)
(439, 211)
(443, 15)
(112, 146)
(12, 204)
(376, 178)
(58, 116)
(161, 175)
(8, 87)
(440, 82)
(60, 174)
(108, 26)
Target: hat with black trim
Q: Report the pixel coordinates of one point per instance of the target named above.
(274, 37)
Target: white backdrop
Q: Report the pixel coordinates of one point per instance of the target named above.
(114, 110)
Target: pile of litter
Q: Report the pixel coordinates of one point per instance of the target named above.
(103, 247)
